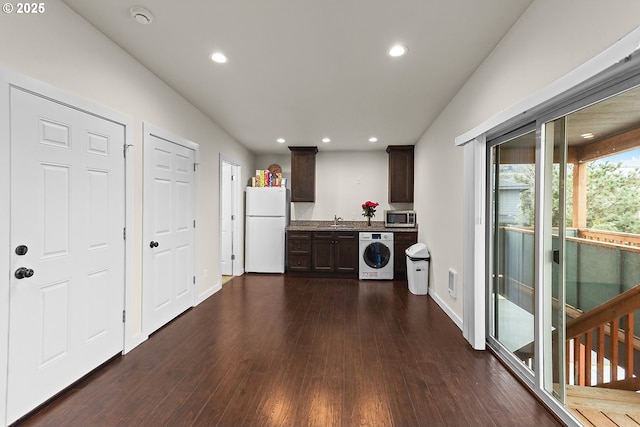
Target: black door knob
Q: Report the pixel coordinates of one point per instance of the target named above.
(153, 244)
(23, 272)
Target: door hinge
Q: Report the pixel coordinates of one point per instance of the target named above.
(125, 148)
(124, 233)
(233, 217)
(124, 316)
(194, 280)
(233, 177)
(194, 223)
(233, 257)
(195, 166)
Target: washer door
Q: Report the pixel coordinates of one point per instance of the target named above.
(376, 255)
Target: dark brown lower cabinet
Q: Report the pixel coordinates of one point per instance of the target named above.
(401, 241)
(322, 253)
(346, 253)
(338, 253)
(335, 252)
(299, 251)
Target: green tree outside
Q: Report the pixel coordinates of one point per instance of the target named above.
(613, 196)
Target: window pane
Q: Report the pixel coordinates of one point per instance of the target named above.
(596, 230)
(513, 245)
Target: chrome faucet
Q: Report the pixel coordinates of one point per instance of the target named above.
(336, 218)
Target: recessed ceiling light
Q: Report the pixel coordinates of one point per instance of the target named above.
(326, 140)
(373, 139)
(397, 50)
(587, 135)
(219, 57)
(141, 15)
(280, 141)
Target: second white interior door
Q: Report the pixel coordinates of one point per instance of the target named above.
(169, 231)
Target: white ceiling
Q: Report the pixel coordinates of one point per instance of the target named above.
(307, 69)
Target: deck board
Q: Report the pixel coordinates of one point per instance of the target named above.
(604, 407)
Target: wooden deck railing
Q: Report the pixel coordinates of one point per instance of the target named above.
(604, 320)
(604, 332)
(626, 239)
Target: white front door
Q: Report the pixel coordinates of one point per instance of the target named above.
(169, 236)
(67, 247)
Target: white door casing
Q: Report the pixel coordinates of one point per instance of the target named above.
(238, 217)
(226, 223)
(68, 208)
(169, 206)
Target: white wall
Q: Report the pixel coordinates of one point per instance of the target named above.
(344, 181)
(550, 39)
(61, 49)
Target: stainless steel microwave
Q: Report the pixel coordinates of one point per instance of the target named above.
(399, 218)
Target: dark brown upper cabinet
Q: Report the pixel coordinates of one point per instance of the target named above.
(400, 173)
(303, 174)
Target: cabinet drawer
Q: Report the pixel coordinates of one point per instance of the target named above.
(299, 235)
(299, 246)
(323, 235)
(299, 263)
(405, 237)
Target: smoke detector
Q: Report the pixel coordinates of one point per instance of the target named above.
(141, 15)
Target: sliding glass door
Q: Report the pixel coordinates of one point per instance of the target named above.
(564, 245)
(594, 237)
(513, 236)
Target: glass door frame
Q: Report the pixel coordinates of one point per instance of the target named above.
(516, 364)
(546, 256)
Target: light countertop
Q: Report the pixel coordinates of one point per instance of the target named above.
(299, 225)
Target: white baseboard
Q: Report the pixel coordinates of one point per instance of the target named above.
(200, 298)
(133, 342)
(456, 319)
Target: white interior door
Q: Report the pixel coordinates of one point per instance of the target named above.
(67, 221)
(169, 236)
(226, 221)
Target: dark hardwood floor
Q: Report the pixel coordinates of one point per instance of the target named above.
(272, 350)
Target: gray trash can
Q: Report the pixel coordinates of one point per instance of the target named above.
(418, 268)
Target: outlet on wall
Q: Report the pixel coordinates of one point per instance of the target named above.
(453, 283)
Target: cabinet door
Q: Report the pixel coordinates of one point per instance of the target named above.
(401, 241)
(322, 251)
(303, 174)
(346, 252)
(400, 173)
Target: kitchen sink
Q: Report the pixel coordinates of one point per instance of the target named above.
(340, 226)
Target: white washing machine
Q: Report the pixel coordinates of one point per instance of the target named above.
(376, 256)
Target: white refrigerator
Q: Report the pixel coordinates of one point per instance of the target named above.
(267, 216)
